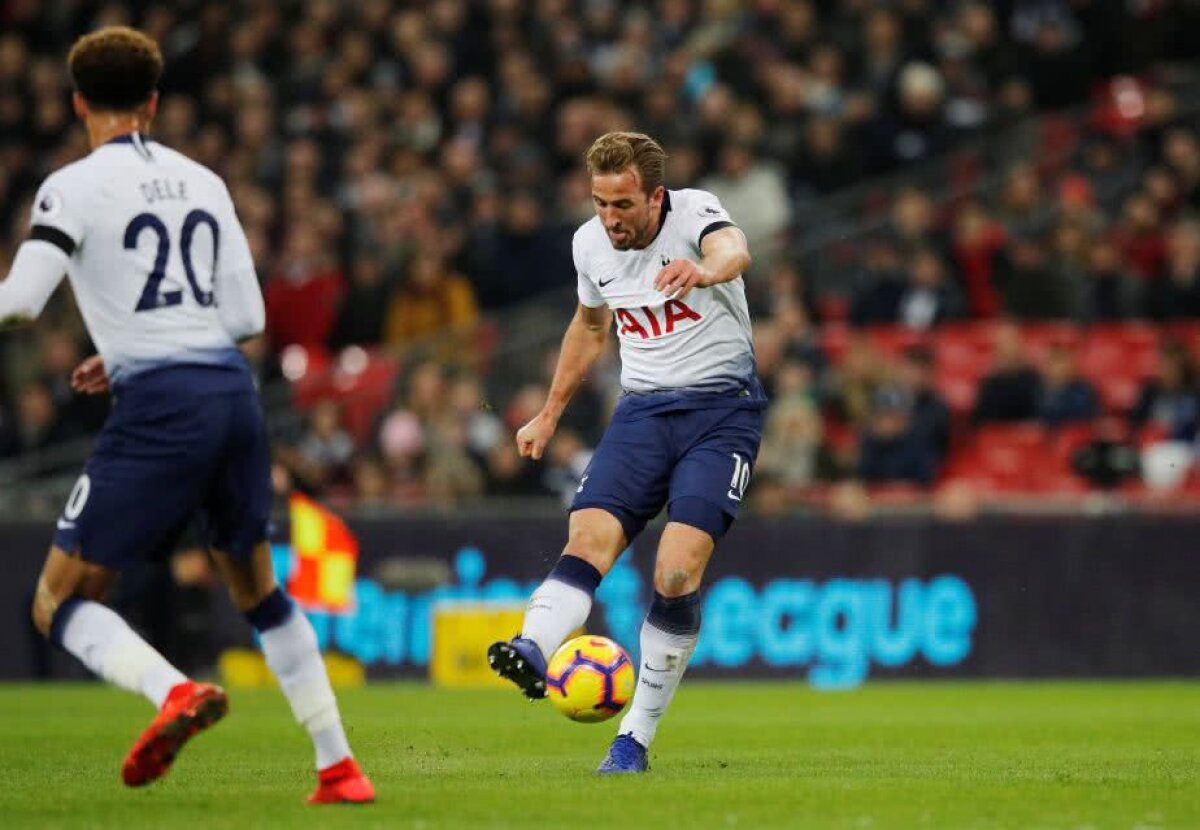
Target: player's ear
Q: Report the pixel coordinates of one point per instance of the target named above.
(656, 198)
(151, 106)
(80, 105)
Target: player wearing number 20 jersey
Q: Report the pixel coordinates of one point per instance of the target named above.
(163, 276)
(155, 254)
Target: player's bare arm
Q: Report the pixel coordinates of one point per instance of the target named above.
(725, 257)
(581, 347)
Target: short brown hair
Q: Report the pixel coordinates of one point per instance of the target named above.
(115, 68)
(617, 152)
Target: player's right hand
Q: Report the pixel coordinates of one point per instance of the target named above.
(89, 377)
(535, 435)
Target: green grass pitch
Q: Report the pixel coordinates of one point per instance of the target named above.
(744, 755)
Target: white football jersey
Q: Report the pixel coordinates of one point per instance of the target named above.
(154, 250)
(700, 342)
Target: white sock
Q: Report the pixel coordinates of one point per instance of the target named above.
(107, 645)
(554, 611)
(292, 653)
(664, 659)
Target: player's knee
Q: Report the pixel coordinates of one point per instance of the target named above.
(595, 541)
(676, 581)
(248, 597)
(50, 615)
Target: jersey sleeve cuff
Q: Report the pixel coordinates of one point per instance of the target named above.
(54, 236)
(715, 226)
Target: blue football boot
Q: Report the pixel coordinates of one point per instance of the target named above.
(625, 755)
(521, 661)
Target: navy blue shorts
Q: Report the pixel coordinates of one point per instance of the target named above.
(181, 443)
(697, 462)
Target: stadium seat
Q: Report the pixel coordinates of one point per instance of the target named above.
(364, 382)
(895, 494)
(1039, 338)
(958, 389)
(835, 339)
(1116, 359)
(833, 308)
(1053, 471)
(308, 370)
(894, 340)
(1009, 453)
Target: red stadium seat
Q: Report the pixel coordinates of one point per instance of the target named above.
(896, 494)
(894, 340)
(1064, 442)
(834, 308)
(364, 382)
(963, 355)
(1009, 453)
(1051, 470)
(1119, 394)
(1116, 359)
(835, 339)
(1039, 338)
(1188, 332)
(958, 390)
(308, 369)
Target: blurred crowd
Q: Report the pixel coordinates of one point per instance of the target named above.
(412, 170)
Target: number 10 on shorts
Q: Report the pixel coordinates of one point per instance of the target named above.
(741, 477)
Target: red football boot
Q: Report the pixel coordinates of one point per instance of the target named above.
(343, 783)
(189, 708)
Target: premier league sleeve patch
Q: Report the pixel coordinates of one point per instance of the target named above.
(49, 204)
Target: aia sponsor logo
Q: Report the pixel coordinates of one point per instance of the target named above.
(673, 313)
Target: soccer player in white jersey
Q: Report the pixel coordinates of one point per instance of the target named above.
(164, 279)
(667, 265)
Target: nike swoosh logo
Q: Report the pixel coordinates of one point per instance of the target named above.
(603, 283)
(648, 667)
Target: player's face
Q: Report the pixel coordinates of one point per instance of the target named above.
(625, 209)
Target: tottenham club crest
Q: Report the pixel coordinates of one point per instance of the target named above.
(50, 205)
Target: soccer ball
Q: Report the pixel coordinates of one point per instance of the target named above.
(589, 679)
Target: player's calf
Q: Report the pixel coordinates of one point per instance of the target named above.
(290, 647)
(559, 606)
(669, 637)
(100, 639)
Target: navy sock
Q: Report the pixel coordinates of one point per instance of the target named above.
(61, 615)
(676, 615)
(576, 572)
(273, 611)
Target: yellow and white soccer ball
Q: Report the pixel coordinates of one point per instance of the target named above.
(590, 679)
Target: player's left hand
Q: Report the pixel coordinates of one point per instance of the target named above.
(679, 277)
(89, 377)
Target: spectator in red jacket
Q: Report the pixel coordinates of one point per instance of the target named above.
(978, 241)
(303, 296)
(1139, 237)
